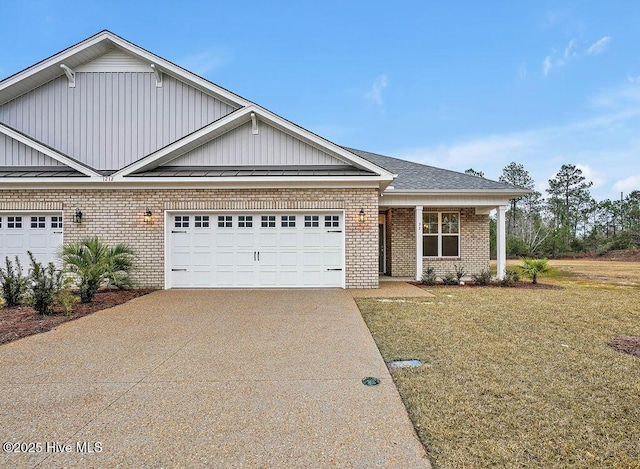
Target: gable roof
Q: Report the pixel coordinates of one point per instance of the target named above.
(94, 47)
(416, 177)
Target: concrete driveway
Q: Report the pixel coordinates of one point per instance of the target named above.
(206, 378)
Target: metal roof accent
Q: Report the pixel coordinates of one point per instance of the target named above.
(250, 171)
(38, 172)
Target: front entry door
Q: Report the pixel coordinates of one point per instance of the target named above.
(382, 245)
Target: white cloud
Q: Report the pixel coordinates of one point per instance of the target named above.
(599, 46)
(375, 92)
(547, 65)
(205, 61)
(591, 175)
(632, 79)
(522, 71)
(632, 183)
(570, 49)
(604, 144)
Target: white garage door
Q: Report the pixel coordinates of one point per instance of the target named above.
(298, 249)
(40, 233)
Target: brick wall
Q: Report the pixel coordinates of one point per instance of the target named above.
(474, 243)
(117, 216)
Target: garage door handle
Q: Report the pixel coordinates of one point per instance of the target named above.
(334, 269)
(334, 231)
(57, 232)
(178, 231)
(178, 270)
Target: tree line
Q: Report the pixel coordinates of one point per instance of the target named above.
(567, 220)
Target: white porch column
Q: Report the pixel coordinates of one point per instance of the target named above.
(418, 242)
(501, 244)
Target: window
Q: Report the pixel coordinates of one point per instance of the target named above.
(56, 222)
(311, 221)
(331, 221)
(441, 234)
(201, 221)
(14, 222)
(182, 221)
(225, 221)
(268, 221)
(288, 221)
(38, 222)
(245, 221)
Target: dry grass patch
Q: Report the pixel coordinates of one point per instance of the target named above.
(517, 377)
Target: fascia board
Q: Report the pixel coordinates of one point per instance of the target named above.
(174, 183)
(48, 151)
(466, 192)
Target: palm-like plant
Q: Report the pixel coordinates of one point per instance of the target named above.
(534, 267)
(94, 263)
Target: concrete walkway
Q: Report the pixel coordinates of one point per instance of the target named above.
(206, 378)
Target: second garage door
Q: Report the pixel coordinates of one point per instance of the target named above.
(293, 249)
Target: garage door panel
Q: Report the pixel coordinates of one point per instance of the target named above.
(332, 240)
(245, 240)
(224, 240)
(259, 250)
(311, 240)
(289, 240)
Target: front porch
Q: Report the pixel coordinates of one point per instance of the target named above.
(414, 238)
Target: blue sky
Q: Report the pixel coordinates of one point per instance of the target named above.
(452, 84)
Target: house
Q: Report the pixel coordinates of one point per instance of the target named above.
(211, 190)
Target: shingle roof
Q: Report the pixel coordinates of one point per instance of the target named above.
(416, 176)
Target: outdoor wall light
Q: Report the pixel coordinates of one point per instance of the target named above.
(77, 217)
(148, 216)
(361, 215)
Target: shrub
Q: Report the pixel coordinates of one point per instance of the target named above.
(534, 267)
(45, 284)
(14, 284)
(449, 279)
(429, 276)
(511, 277)
(482, 278)
(94, 264)
(460, 272)
(67, 299)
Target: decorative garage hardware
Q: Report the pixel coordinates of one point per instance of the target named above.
(334, 231)
(148, 217)
(370, 381)
(405, 363)
(334, 269)
(178, 270)
(256, 255)
(361, 215)
(77, 217)
(177, 231)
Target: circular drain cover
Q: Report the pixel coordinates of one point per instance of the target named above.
(370, 381)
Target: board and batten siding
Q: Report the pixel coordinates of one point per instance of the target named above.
(111, 119)
(14, 153)
(270, 147)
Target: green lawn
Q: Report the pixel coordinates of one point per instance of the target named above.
(519, 377)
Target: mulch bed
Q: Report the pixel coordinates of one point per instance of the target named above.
(23, 321)
(626, 344)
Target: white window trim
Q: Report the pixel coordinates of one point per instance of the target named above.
(440, 234)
